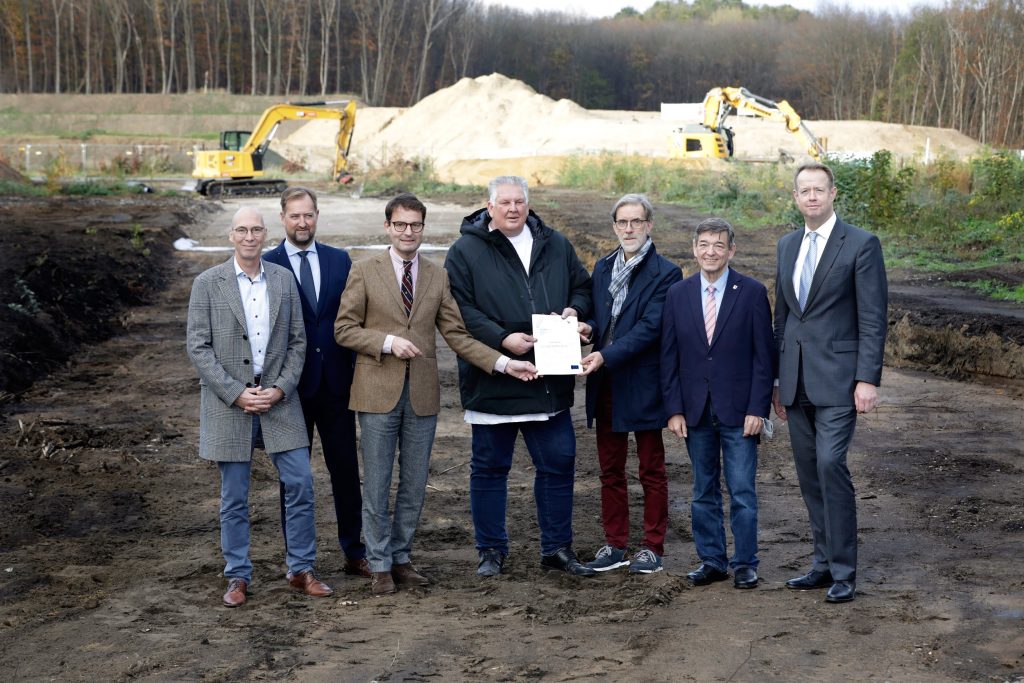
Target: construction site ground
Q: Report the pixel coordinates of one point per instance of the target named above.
(109, 546)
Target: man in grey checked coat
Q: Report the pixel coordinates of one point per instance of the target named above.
(246, 340)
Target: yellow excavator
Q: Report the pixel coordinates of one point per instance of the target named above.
(712, 138)
(237, 167)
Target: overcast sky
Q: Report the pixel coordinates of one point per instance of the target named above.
(607, 8)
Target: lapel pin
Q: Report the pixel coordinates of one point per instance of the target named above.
(735, 286)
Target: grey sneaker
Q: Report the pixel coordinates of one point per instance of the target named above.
(645, 562)
(491, 562)
(608, 558)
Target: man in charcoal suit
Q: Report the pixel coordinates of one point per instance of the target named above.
(830, 323)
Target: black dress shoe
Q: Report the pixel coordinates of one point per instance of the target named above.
(745, 577)
(565, 560)
(705, 574)
(491, 562)
(841, 591)
(811, 580)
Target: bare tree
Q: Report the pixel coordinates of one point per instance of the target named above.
(434, 14)
(327, 9)
(379, 21)
(58, 12)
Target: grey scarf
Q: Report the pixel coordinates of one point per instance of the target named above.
(622, 270)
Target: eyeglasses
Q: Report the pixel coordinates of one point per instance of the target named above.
(257, 231)
(400, 226)
(635, 223)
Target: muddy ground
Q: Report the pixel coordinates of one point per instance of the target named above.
(109, 560)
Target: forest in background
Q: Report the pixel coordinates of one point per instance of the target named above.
(960, 66)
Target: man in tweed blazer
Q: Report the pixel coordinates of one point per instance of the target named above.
(390, 309)
(246, 340)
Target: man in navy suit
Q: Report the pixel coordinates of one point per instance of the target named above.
(629, 287)
(717, 371)
(321, 271)
(831, 317)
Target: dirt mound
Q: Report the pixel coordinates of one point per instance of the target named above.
(58, 297)
(510, 120)
(9, 173)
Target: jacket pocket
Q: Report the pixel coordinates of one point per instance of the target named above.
(844, 345)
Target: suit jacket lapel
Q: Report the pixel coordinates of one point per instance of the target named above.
(789, 254)
(423, 279)
(386, 272)
(275, 290)
(696, 299)
(828, 258)
(230, 292)
(325, 277)
(729, 297)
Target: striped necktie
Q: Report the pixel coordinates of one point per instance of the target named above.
(709, 313)
(407, 286)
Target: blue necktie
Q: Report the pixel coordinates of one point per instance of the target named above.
(306, 279)
(807, 273)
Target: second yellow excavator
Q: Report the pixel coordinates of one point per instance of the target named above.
(237, 167)
(711, 137)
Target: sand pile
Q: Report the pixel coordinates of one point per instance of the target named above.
(504, 122)
(8, 172)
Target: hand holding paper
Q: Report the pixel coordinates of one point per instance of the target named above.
(557, 347)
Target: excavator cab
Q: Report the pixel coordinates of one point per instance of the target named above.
(234, 140)
(699, 142)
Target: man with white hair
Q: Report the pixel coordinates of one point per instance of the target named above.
(507, 266)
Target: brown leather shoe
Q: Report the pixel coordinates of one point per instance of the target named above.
(406, 575)
(310, 585)
(381, 583)
(358, 567)
(235, 597)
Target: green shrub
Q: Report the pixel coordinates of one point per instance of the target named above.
(874, 195)
(997, 180)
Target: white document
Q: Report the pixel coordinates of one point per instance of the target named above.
(557, 349)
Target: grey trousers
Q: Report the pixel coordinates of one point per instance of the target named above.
(821, 436)
(389, 538)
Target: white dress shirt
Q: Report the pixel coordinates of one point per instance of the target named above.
(823, 234)
(296, 263)
(256, 305)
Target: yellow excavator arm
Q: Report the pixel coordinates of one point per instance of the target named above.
(240, 171)
(712, 138)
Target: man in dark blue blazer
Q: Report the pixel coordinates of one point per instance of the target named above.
(717, 371)
(321, 271)
(629, 287)
(831, 318)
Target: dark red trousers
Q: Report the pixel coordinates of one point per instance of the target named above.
(612, 449)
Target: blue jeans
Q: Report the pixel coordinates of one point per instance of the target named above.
(300, 524)
(552, 446)
(739, 460)
(389, 541)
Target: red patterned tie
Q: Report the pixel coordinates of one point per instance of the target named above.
(709, 313)
(407, 286)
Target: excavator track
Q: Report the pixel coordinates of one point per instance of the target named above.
(252, 187)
